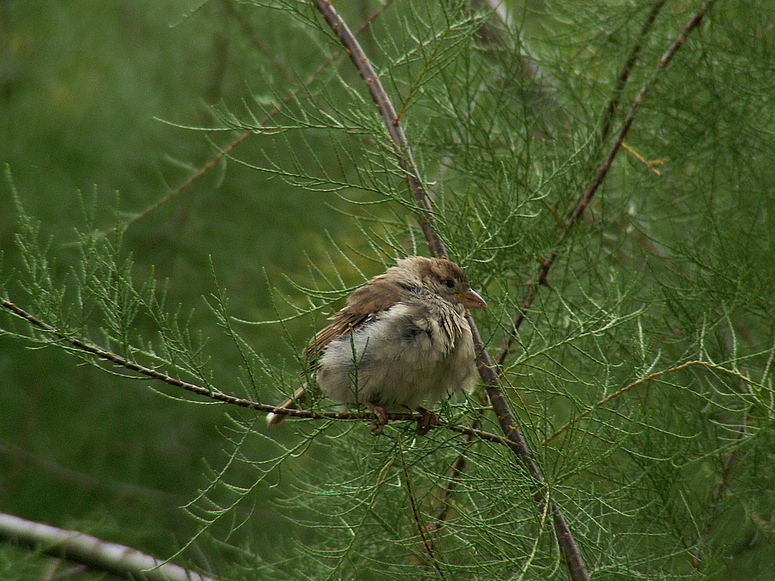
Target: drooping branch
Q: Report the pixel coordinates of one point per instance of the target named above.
(500, 405)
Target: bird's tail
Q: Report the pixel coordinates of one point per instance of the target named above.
(293, 402)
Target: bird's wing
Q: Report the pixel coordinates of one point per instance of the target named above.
(376, 296)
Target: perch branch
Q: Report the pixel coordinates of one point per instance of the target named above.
(84, 347)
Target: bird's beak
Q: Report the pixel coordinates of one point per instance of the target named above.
(471, 300)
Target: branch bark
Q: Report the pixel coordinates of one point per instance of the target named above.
(392, 123)
(84, 347)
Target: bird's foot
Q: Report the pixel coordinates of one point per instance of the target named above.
(382, 419)
(427, 420)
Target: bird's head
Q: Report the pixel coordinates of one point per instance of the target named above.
(444, 278)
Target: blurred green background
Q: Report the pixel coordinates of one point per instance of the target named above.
(84, 86)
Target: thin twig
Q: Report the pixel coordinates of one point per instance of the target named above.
(649, 164)
(642, 380)
(624, 74)
(457, 467)
(426, 543)
(600, 175)
(728, 465)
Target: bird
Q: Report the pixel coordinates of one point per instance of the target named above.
(401, 341)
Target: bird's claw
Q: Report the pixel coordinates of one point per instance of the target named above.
(427, 420)
(382, 420)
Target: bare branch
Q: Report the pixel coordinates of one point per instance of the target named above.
(624, 74)
(92, 551)
(600, 174)
(568, 546)
(85, 347)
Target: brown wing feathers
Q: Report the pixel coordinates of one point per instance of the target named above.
(377, 295)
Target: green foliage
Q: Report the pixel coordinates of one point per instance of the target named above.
(641, 376)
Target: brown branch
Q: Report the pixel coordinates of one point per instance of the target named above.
(629, 64)
(574, 561)
(392, 123)
(491, 36)
(93, 552)
(189, 181)
(531, 286)
(565, 540)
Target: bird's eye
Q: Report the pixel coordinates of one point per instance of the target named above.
(448, 282)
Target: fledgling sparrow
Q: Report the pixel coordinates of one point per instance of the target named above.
(402, 340)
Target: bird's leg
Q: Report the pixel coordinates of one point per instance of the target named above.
(427, 420)
(382, 419)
